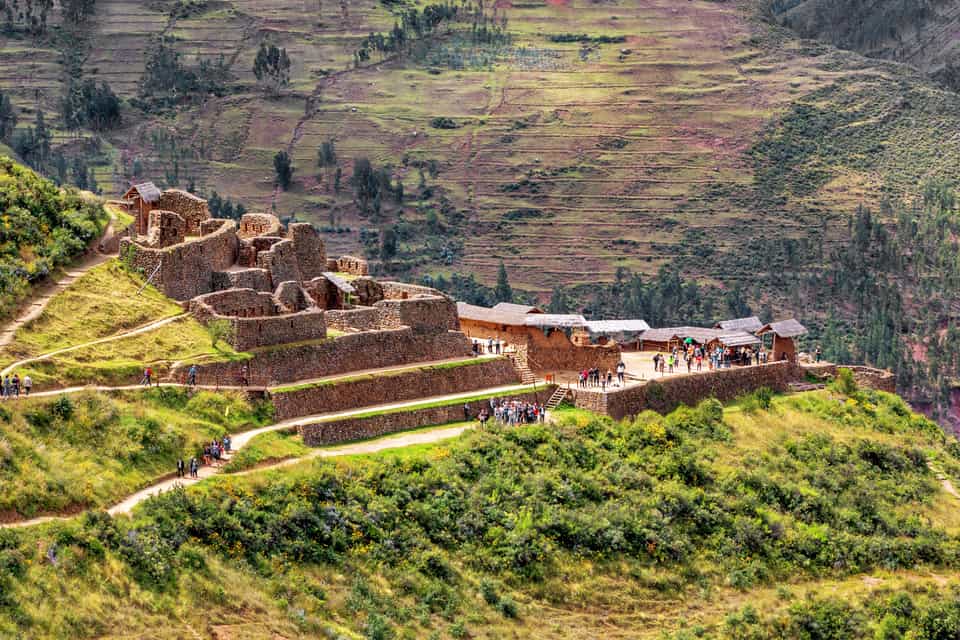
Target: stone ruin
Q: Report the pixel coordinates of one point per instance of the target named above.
(275, 286)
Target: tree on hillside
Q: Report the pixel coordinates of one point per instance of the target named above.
(283, 167)
(559, 301)
(388, 244)
(272, 67)
(503, 292)
(8, 117)
(327, 154)
(77, 11)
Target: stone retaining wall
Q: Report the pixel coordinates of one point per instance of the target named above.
(343, 354)
(666, 394)
(356, 319)
(347, 429)
(388, 387)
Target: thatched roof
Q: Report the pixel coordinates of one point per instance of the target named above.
(339, 282)
(738, 339)
(147, 190)
(784, 328)
(740, 324)
(509, 307)
(486, 314)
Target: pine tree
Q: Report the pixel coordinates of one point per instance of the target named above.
(503, 292)
(8, 117)
(283, 167)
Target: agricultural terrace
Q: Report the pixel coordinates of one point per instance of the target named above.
(616, 132)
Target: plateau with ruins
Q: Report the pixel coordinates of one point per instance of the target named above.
(324, 336)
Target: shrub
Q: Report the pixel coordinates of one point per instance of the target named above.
(845, 382)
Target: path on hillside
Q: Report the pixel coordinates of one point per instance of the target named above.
(239, 440)
(117, 336)
(42, 297)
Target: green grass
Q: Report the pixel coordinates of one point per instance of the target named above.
(266, 448)
(121, 362)
(101, 303)
(92, 449)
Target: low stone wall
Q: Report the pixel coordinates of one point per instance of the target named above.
(868, 377)
(252, 333)
(357, 319)
(188, 267)
(433, 313)
(349, 264)
(343, 354)
(396, 386)
(325, 433)
(666, 394)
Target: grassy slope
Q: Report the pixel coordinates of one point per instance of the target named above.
(103, 303)
(93, 449)
(440, 587)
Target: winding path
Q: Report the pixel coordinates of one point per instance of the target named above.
(240, 440)
(117, 336)
(41, 298)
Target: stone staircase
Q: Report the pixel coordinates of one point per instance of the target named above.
(520, 363)
(559, 395)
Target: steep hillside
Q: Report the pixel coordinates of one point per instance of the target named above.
(42, 228)
(921, 33)
(573, 139)
(822, 510)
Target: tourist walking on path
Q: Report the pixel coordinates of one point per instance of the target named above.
(15, 385)
(147, 374)
(180, 468)
(818, 353)
(466, 411)
(194, 467)
(621, 372)
(27, 385)
(244, 376)
(192, 376)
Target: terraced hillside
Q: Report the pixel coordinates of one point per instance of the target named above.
(595, 138)
(591, 137)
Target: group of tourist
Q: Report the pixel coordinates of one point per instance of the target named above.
(13, 386)
(490, 347)
(694, 356)
(213, 453)
(596, 378)
(510, 412)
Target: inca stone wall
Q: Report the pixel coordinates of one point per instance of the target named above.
(343, 354)
(281, 261)
(255, 319)
(256, 279)
(324, 433)
(356, 319)
(187, 267)
(666, 394)
(259, 224)
(395, 386)
(166, 229)
(349, 264)
(422, 314)
(310, 250)
(192, 209)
